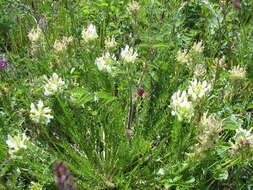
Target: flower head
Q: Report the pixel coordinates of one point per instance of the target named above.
(133, 7)
(209, 134)
(181, 106)
(183, 58)
(62, 45)
(90, 33)
(35, 34)
(128, 54)
(243, 141)
(198, 47)
(105, 62)
(17, 143)
(237, 73)
(54, 84)
(211, 129)
(140, 93)
(40, 114)
(110, 43)
(3, 63)
(198, 90)
(200, 70)
(35, 186)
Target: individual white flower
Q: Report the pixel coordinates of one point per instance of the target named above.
(17, 143)
(35, 34)
(90, 33)
(40, 114)
(54, 84)
(198, 90)
(105, 62)
(110, 43)
(183, 58)
(61, 45)
(133, 7)
(181, 106)
(95, 98)
(237, 73)
(128, 54)
(198, 47)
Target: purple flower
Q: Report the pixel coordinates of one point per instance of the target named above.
(3, 63)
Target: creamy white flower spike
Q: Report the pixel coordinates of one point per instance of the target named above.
(128, 54)
(110, 43)
(17, 143)
(243, 134)
(198, 90)
(237, 73)
(210, 132)
(198, 47)
(35, 34)
(40, 114)
(54, 84)
(90, 33)
(105, 62)
(183, 58)
(181, 106)
(133, 7)
(62, 45)
(243, 139)
(199, 71)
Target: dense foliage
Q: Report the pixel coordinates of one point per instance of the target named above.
(121, 94)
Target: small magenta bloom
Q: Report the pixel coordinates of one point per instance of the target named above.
(3, 63)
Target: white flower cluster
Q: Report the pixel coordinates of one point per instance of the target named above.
(198, 47)
(198, 90)
(61, 45)
(210, 129)
(128, 54)
(183, 57)
(40, 114)
(90, 33)
(105, 62)
(199, 71)
(243, 140)
(17, 143)
(182, 107)
(54, 84)
(182, 103)
(35, 34)
(133, 7)
(110, 43)
(237, 73)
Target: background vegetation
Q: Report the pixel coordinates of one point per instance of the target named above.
(116, 130)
